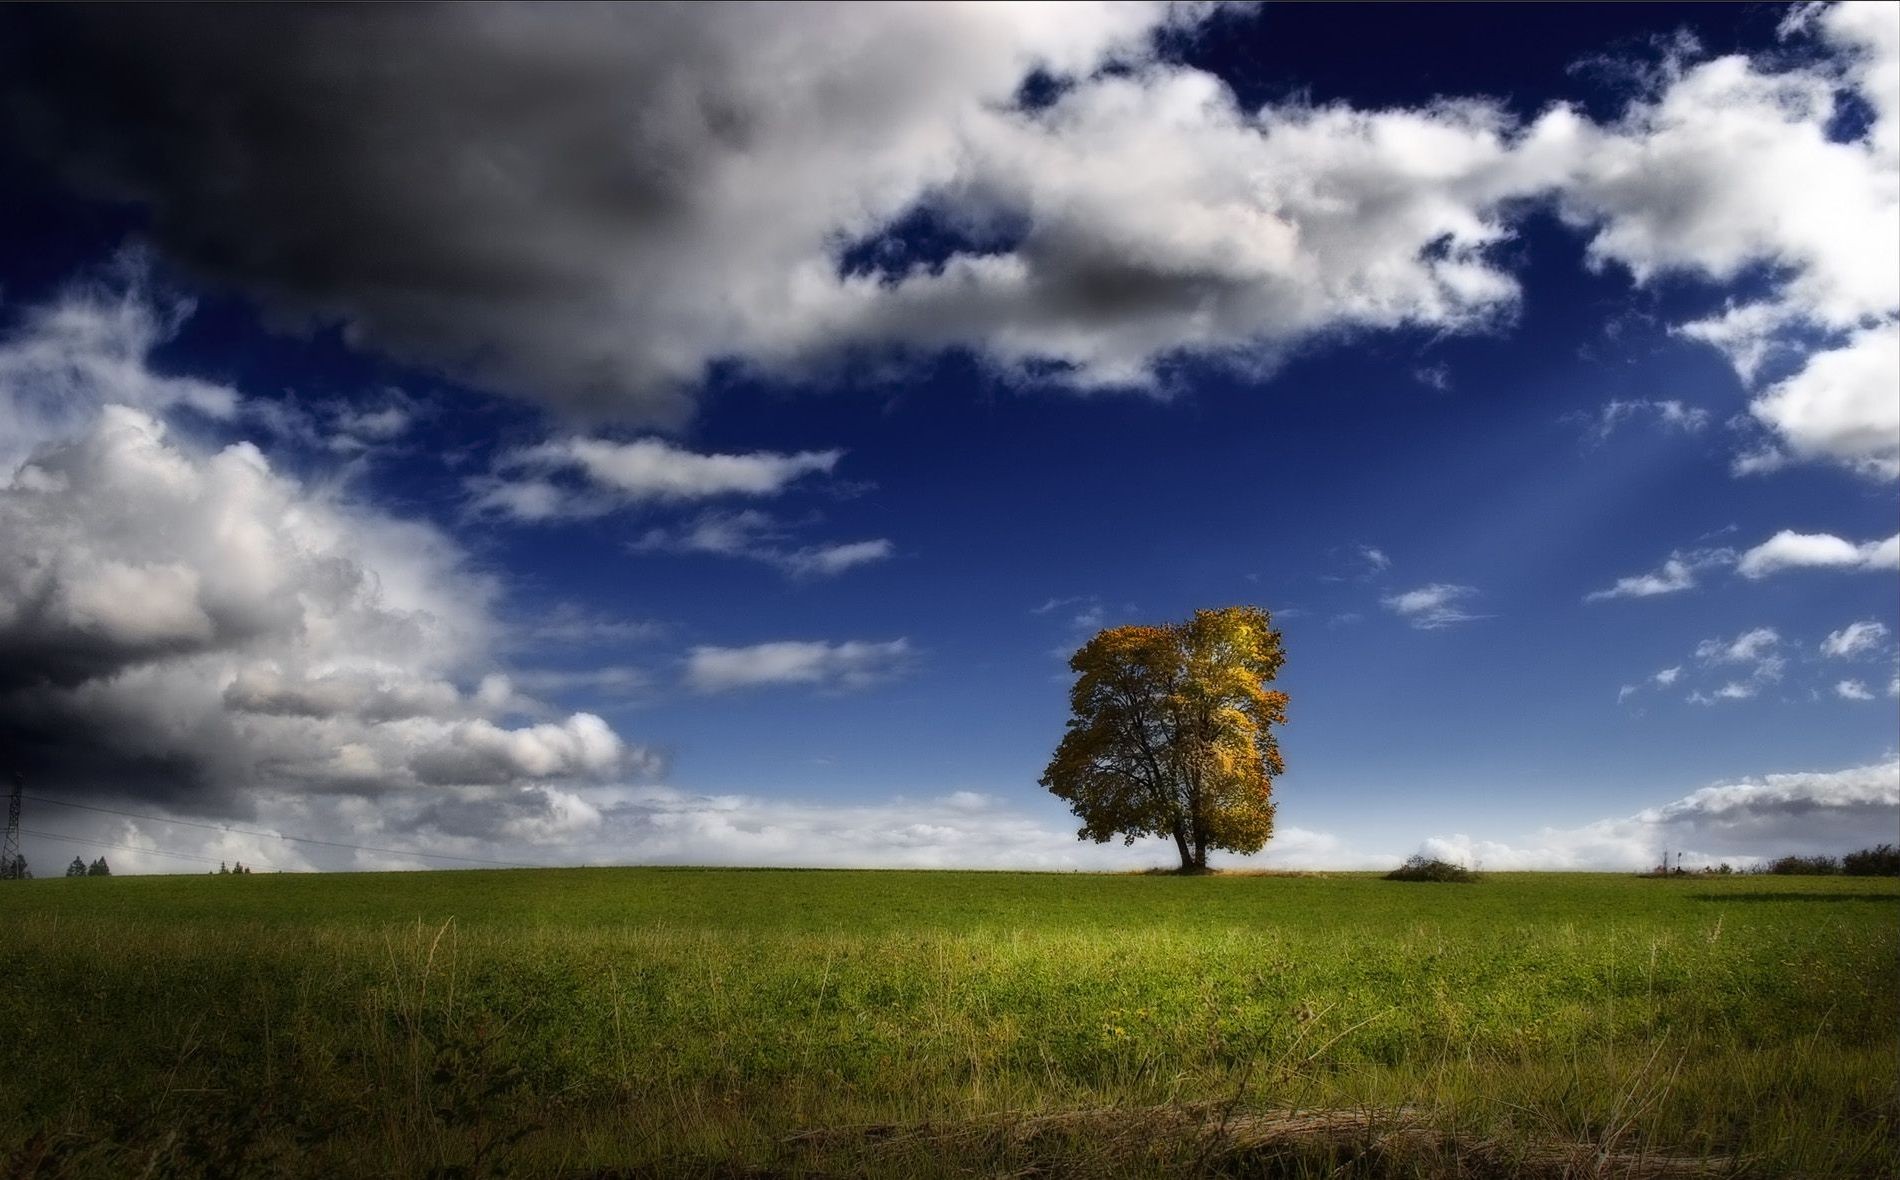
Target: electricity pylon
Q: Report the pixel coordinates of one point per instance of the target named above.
(11, 862)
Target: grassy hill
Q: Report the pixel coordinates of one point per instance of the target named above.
(601, 1022)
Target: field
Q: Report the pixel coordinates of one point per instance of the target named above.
(632, 1022)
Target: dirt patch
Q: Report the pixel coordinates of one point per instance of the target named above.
(1206, 1140)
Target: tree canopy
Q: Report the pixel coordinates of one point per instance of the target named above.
(1170, 734)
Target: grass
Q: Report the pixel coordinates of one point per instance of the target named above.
(621, 1022)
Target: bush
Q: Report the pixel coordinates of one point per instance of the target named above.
(1424, 868)
(1805, 866)
(1883, 861)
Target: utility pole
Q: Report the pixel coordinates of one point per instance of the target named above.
(11, 862)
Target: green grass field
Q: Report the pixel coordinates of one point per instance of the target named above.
(620, 1022)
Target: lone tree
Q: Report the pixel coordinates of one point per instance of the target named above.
(1170, 734)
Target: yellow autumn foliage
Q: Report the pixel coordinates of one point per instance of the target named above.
(1170, 734)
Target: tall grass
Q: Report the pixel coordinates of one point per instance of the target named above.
(578, 1024)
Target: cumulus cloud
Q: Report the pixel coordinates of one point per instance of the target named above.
(1742, 666)
(629, 824)
(677, 192)
(188, 625)
(1855, 639)
(854, 663)
(757, 536)
(1742, 822)
(1676, 575)
(1788, 549)
(1840, 404)
(1732, 166)
(1430, 607)
(696, 185)
(64, 359)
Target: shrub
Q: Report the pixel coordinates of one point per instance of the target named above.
(1883, 861)
(1805, 866)
(1424, 868)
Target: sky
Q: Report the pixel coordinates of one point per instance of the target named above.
(701, 434)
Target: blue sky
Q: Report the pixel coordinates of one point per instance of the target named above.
(554, 468)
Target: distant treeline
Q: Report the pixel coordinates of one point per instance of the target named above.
(1883, 861)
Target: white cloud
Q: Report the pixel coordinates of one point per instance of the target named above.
(620, 824)
(1742, 822)
(851, 664)
(1734, 690)
(756, 536)
(1430, 607)
(827, 560)
(1748, 647)
(1662, 679)
(1855, 639)
(1054, 603)
(481, 752)
(1841, 405)
(378, 425)
(653, 469)
(1732, 166)
(188, 625)
(573, 625)
(1760, 647)
(753, 212)
(1666, 413)
(64, 360)
(644, 471)
(1791, 550)
(1852, 690)
(1675, 575)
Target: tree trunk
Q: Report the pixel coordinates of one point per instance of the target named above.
(1200, 856)
(1180, 842)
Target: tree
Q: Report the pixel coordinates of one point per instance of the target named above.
(77, 868)
(99, 868)
(1883, 861)
(1170, 734)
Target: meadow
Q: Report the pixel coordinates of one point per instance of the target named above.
(636, 1022)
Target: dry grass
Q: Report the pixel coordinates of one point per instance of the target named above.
(1214, 1139)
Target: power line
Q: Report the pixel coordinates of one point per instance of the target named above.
(480, 860)
(130, 847)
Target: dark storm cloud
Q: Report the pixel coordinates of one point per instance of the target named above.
(572, 202)
(590, 205)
